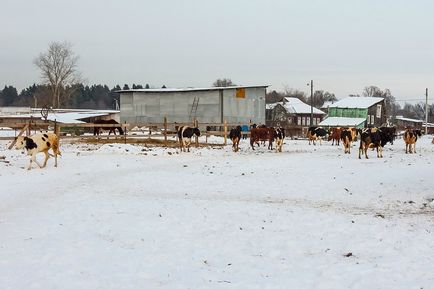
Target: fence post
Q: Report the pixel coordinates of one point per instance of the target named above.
(29, 128)
(196, 124)
(165, 131)
(125, 132)
(225, 129)
(57, 132)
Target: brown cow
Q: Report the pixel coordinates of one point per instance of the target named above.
(262, 134)
(335, 135)
(410, 138)
(235, 136)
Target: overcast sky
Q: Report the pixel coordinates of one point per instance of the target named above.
(343, 45)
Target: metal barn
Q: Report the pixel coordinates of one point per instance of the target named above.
(235, 104)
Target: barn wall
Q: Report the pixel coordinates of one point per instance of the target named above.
(251, 107)
(151, 107)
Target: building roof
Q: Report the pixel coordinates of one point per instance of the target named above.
(409, 119)
(356, 102)
(295, 105)
(72, 117)
(342, 121)
(189, 89)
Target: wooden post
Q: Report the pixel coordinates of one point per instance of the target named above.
(15, 140)
(57, 132)
(29, 127)
(225, 130)
(196, 124)
(125, 133)
(165, 131)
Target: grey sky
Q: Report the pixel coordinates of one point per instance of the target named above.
(343, 45)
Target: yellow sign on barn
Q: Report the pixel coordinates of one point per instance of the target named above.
(240, 93)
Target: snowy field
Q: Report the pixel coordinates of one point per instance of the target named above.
(124, 216)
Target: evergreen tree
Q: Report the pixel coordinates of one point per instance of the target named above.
(9, 95)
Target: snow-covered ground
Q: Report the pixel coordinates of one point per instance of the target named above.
(127, 216)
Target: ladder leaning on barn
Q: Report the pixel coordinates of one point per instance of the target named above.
(193, 110)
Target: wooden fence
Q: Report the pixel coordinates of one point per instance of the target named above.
(159, 132)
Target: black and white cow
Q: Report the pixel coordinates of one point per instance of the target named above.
(370, 137)
(185, 133)
(235, 136)
(316, 133)
(39, 143)
(279, 136)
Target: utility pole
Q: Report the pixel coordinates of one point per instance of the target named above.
(311, 103)
(426, 111)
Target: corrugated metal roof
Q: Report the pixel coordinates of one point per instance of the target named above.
(357, 102)
(342, 121)
(189, 89)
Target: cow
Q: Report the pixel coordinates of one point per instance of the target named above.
(347, 138)
(370, 137)
(388, 134)
(316, 133)
(279, 135)
(185, 133)
(39, 143)
(235, 136)
(354, 133)
(410, 138)
(335, 135)
(262, 134)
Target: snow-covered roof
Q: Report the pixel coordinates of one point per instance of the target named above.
(72, 117)
(188, 89)
(357, 102)
(295, 105)
(409, 119)
(326, 104)
(342, 121)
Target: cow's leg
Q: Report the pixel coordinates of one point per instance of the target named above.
(33, 159)
(414, 147)
(46, 159)
(406, 148)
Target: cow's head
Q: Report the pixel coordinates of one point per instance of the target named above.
(417, 132)
(20, 142)
(196, 131)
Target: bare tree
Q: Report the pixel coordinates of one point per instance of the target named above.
(58, 67)
(224, 82)
(390, 102)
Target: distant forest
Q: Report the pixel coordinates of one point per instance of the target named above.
(96, 96)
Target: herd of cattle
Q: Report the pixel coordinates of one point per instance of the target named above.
(375, 138)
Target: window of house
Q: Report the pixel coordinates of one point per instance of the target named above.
(299, 120)
(372, 119)
(378, 110)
